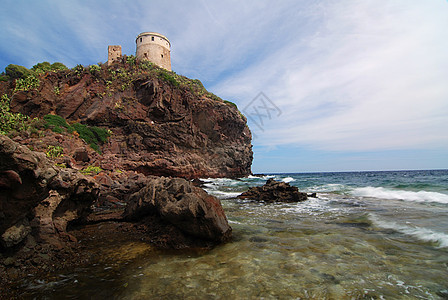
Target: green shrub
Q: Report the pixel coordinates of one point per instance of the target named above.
(94, 69)
(57, 123)
(146, 65)
(230, 103)
(91, 170)
(57, 66)
(131, 60)
(79, 69)
(42, 67)
(46, 66)
(16, 71)
(167, 77)
(11, 121)
(92, 135)
(26, 84)
(4, 77)
(54, 151)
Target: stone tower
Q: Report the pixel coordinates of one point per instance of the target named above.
(114, 54)
(154, 47)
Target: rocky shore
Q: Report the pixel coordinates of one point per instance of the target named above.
(63, 197)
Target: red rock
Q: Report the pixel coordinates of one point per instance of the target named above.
(190, 209)
(158, 128)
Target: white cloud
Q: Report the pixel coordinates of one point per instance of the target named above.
(371, 77)
(348, 75)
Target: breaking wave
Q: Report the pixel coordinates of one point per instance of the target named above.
(383, 193)
(422, 234)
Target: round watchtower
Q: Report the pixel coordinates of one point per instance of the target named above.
(154, 47)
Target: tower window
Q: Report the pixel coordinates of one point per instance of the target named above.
(140, 40)
(162, 55)
(152, 38)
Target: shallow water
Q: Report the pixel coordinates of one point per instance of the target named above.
(367, 236)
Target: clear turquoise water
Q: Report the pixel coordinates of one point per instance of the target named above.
(373, 235)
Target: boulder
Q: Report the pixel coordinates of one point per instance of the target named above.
(37, 198)
(81, 155)
(188, 208)
(274, 191)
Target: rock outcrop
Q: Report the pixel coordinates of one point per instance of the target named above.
(161, 125)
(274, 191)
(188, 208)
(37, 199)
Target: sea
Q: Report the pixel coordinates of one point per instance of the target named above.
(367, 235)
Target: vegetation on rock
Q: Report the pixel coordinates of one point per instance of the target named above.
(162, 120)
(28, 83)
(16, 72)
(11, 121)
(55, 151)
(92, 135)
(46, 67)
(91, 170)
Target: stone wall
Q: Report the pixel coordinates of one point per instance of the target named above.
(114, 54)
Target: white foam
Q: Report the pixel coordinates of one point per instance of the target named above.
(423, 234)
(223, 195)
(265, 177)
(327, 188)
(382, 193)
(288, 179)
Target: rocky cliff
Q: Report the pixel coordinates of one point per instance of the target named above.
(160, 123)
(101, 138)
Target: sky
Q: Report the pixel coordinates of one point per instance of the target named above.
(326, 85)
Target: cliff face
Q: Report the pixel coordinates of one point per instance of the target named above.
(160, 123)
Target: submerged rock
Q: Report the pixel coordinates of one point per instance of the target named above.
(274, 191)
(188, 208)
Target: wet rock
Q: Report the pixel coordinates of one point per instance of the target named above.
(257, 239)
(15, 234)
(274, 191)
(42, 200)
(9, 179)
(10, 261)
(190, 209)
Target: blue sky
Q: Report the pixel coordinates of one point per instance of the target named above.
(360, 85)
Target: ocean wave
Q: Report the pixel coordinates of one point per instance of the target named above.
(265, 177)
(422, 234)
(288, 179)
(216, 183)
(223, 195)
(327, 188)
(382, 193)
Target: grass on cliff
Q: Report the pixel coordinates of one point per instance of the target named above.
(130, 69)
(92, 135)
